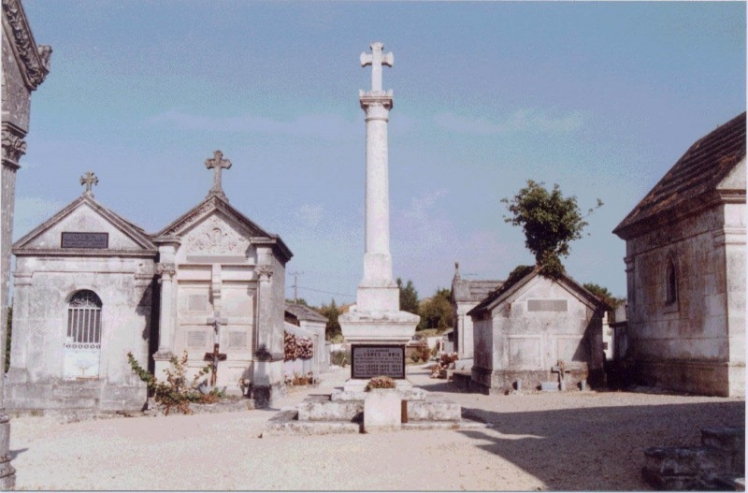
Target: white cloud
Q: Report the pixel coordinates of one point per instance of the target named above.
(322, 126)
(32, 211)
(519, 121)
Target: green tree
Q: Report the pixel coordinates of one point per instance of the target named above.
(436, 312)
(550, 222)
(408, 296)
(331, 311)
(605, 295)
(299, 301)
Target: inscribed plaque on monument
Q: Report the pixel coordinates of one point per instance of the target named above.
(369, 361)
(547, 305)
(85, 240)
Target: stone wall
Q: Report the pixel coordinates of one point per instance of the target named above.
(696, 343)
(43, 288)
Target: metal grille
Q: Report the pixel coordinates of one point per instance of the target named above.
(84, 321)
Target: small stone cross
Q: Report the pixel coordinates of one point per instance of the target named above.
(89, 179)
(215, 356)
(376, 60)
(217, 164)
(561, 370)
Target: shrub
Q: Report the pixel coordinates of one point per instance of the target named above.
(337, 357)
(176, 391)
(424, 352)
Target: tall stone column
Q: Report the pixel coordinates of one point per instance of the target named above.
(25, 65)
(376, 318)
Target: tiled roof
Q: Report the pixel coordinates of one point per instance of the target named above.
(465, 290)
(302, 312)
(700, 170)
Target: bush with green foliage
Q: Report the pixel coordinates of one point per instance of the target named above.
(177, 391)
(550, 222)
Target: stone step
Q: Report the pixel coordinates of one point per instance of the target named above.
(314, 409)
(285, 423)
(434, 409)
(686, 461)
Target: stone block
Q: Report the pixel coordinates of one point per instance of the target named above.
(549, 386)
(382, 411)
(328, 410)
(434, 409)
(686, 461)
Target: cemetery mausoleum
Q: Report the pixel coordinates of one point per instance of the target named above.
(91, 286)
(534, 328)
(685, 270)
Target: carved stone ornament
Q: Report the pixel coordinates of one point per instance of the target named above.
(264, 272)
(166, 268)
(216, 237)
(13, 146)
(35, 59)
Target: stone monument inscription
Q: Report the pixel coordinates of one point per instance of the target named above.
(85, 240)
(369, 361)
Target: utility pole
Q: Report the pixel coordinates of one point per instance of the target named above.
(295, 284)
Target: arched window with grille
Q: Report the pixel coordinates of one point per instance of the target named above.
(83, 337)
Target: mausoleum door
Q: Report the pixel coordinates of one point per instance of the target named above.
(82, 347)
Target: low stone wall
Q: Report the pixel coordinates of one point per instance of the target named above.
(500, 381)
(696, 377)
(93, 395)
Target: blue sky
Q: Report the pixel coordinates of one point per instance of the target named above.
(601, 98)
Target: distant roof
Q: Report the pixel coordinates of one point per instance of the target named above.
(699, 171)
(472, 290)
(302, 312)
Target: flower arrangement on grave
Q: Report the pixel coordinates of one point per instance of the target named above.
(381, 382)
(177, 391)
(297, 347)
(441, 367)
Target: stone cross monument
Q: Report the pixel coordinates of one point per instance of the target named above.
(89, 179)
(376, 318)
(217, 164)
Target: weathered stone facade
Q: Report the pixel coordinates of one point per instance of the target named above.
(524, 330)
(25, 65)
(91, 286)
(685, 266)
(71, 356)
(466, 294)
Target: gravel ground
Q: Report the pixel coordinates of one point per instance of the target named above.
(539, 441)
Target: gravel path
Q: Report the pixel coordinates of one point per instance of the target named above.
(539, 441)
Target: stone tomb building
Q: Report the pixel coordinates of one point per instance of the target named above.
(91, 286)
(466, 294)
(685, 270)
(526, 328)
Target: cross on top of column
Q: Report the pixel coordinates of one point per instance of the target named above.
(217, 164)
(376, 60)
(89, 179)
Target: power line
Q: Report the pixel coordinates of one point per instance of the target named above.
(325, 292)
(295, 284)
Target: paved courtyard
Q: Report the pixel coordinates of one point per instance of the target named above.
(539, 441)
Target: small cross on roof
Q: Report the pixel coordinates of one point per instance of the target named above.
(217, 164)
(89, 179)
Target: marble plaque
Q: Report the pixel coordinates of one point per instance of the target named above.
(85, 240)
(547, 305)
(369, 361)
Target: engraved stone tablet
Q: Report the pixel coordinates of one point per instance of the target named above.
(547, 305)
(237, 339)
(369, 361)
(85, 240)
(196, 338)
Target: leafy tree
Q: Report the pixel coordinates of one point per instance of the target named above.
(408, 296)
(331, 311)
(299, 301)
(436, 312)
(550, 222)
(603, 293)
